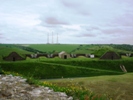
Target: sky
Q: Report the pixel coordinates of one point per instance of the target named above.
(72, 21)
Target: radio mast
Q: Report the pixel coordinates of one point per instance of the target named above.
(57, 38)
(52, 38)
(48, 38)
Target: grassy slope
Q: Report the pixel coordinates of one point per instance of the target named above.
(98, 50)
(97, 64)
(54, 47)
(121, 84)
(50, 70)
(5, 50)
(117, 87)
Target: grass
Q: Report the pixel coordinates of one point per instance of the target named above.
(6, 49)
(115, 87)
(94, 63)
(127, 58)
(54, 70)
(96, 49)
(78, 93)
(54, 47)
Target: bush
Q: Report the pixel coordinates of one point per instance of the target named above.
(100, 64)
(52, 70)
(1, 71)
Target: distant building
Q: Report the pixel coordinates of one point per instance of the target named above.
(33, 55)
(55, 55)
(110, 56)
(13, 56)
(128, 54)
(64, 55)
(78, 55)
(36, 55)
(73, 55)
(92, 56)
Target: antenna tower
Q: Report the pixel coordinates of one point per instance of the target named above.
(48, 38)
(57, 38)
(52, 38)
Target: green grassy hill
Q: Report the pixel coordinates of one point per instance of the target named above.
(54, 47)
(97, 49)
(6, 49)
(46, 70)
(67, 68)
(116, 87)
(101, 49)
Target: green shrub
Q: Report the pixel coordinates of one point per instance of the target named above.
(1, 71)
(52, 70)
(99, 64)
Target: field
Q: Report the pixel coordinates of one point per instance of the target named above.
(5, 49)
(54, 47)
(102, 77)
(97, 49)
(117, 87)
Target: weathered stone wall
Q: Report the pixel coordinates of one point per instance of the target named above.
(16, 88)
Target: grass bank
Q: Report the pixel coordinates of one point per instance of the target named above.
(50, 70)
(115, 87)
(113, 65)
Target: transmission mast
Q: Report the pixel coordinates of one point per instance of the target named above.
(48, 38)
(57, 38)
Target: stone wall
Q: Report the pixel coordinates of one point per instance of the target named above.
(16, 88)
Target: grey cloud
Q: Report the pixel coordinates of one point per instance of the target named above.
(129, 2)
(77, 6)
(84, 13)
(91, 28)
(125, 20)
(112, 31)
(1, 34)
(71, 3)
(54, 21)
(34, 19)
(86, 35)
(117, 34)
(50, 25)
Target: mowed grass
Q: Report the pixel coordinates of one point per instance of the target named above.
(117, 87)
(54, 47)
(96, 49)
(5, 49)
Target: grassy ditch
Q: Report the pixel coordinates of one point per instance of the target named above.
(50, 70)
(47, 70)
(115, 87)
(99, 64)
(78, 93)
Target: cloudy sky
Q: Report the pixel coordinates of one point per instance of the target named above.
(75, 21)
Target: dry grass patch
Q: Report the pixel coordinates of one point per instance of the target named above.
(117, 87)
